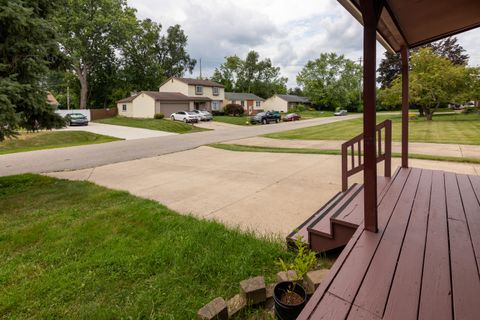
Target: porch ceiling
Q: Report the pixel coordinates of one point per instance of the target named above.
(413, 23)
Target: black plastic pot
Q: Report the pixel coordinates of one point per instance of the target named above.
(286, 311)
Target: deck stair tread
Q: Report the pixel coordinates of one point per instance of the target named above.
(302, 230)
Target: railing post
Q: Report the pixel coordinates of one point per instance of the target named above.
(404, 54)
(344, 167)
(388, 148)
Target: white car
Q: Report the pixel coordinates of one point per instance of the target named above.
(341, 113)
(185, 116)
(204, 115)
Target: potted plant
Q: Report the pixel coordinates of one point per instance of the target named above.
(289, 296)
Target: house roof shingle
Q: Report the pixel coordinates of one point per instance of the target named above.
(164, 96)
(293, 98)
(234, 96)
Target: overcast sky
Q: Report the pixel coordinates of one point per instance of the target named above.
(287, 31)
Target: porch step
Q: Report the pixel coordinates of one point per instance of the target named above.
(336, 227)
(301, 230)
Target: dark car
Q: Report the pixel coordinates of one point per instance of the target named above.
(265, 117)
(77, 119)
(291, 117)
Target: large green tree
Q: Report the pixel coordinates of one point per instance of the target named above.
(332, 81)
(27, 51)
(251, 75)
(391, 64)
(433, 80)
(90, 32)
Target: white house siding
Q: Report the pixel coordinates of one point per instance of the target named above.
(129, 109)
(275, 103)
(173, 85)
(143, 106)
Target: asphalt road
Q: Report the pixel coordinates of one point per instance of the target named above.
(89, 156)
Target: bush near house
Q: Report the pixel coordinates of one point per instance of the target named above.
(159, 115)
(233, 109)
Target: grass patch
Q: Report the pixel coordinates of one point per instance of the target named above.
(153, 124)
(240, 121)
(444, 128)
(51, 139)
(244, 148)
(77, 250)
(315, 114)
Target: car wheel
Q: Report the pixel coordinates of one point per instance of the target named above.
(173, 118)
(264, 121)
(276, 120)
(185, 120)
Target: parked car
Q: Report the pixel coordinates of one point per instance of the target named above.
(292, 117)
(265, 117)
(204, 115)
(77, 119)
(341, 113)
(185, 116)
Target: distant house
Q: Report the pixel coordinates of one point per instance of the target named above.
(248, 101)
(146, 103)
(51, 100)
(205, 94)
(284, 102)
(175, 94)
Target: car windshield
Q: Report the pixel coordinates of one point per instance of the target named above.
(76, 115)
(205, 112)
(191, 113)
(260, 114)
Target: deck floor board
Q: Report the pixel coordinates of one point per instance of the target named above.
(423, 262)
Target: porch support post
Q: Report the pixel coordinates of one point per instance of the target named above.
(405, 105)
(371, 10)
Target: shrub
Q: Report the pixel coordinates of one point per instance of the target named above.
(232, 109)
(218, 113)
(298, 108)
(159, 115)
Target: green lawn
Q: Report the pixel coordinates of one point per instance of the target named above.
(315, 114)
(76, 250)
(51, 139)
(153, 124)
(444, 128)
(241, 120)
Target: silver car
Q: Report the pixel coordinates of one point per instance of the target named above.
(204, 115)
(341, 113)
(185, 116)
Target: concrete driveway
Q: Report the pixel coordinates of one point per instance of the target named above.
(267, 193)
(122, 132)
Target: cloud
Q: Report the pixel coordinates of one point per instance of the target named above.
(288, 32)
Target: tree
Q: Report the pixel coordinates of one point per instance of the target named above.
(90, 33)
(250, 75)
(433, 80)
(391, 64)
(174, 59)
(296, 91)
(28, 49)
(332, 81)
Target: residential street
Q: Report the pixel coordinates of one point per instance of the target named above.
(89, 156)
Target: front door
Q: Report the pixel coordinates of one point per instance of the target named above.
(250, 106)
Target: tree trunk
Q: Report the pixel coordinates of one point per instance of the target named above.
(82, 77)
(429, 114)
(421, 111)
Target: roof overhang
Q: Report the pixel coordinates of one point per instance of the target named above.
(413, 23)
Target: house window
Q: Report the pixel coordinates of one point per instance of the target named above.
(124, 107)
(257, 103)
(198, 90)
(215, 91)
(243, 103)
(215, 105)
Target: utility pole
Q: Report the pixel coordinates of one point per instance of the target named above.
(68, 97)
(201, 68)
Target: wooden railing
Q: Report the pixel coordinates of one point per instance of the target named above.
(349, 150)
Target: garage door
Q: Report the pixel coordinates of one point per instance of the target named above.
(167, 108)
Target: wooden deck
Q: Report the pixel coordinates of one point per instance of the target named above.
(422, 264)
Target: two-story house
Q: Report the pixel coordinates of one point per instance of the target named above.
(250, 102)
(176, 94)
(204, 94)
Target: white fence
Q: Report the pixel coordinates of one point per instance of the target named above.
(85, 112)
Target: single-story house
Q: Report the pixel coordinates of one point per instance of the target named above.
(284, 102)
(248, 101)
(205, 94)
(146, 103)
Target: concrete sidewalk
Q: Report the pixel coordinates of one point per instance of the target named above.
(267, 193)
(435, 149)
